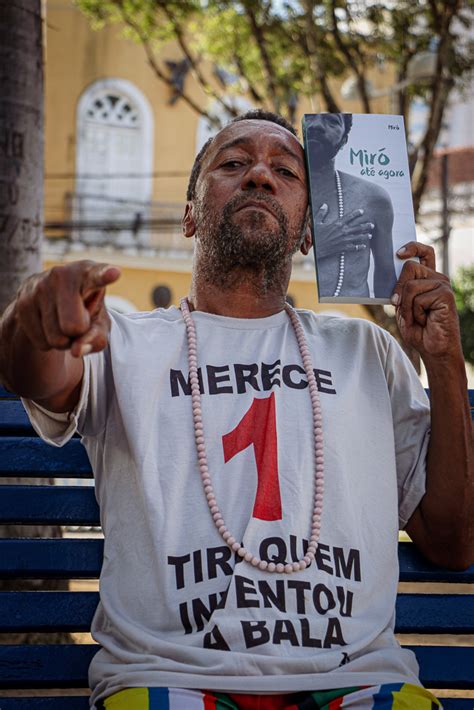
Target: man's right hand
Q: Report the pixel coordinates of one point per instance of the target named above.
(63, 308)
(57, 317)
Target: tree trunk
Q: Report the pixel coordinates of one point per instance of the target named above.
(21, 203)
(21, 143)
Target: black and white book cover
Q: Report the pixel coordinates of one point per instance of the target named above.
(361, 203)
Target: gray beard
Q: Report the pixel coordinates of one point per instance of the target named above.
(260, 251)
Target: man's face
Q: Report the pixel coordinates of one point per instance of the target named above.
(251, 200)
(326, 135)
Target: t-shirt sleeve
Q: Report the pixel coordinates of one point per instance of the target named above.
(89, 416)
(411, 426)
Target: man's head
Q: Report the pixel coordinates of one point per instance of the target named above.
(247, 200)
(327, 133)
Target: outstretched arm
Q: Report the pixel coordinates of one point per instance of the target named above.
(443, 524)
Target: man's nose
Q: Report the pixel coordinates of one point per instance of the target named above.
(259, 177)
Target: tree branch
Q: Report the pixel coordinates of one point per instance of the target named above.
(441, 87)
(201, 79)
(258, 98)
(347, 53)
(159, 72)
(259, 35)
(310, 43)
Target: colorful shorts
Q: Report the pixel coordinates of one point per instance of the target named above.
(393, 696)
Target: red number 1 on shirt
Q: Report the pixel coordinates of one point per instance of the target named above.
(258, 427)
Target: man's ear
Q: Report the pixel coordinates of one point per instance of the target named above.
(307, 242)
(188, 223)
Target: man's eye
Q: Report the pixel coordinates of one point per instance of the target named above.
(232, 164)
(286, 172)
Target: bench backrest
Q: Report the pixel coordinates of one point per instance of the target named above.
(24, 455)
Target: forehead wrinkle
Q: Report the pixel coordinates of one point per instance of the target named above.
(245, 140)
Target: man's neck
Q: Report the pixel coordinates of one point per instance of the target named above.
(242, 301)
(324, 174)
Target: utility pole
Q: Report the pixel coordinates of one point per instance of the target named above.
(445, 226)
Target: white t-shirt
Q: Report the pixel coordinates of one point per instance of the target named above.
(176, 609)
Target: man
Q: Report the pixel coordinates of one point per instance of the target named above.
(353, 216)
(214, 592)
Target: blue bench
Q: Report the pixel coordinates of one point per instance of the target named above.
(64, 666)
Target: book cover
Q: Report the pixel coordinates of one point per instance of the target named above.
(361, 203)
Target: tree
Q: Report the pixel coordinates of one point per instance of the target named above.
(463, 286)
(281, 51)
(21, 143)
(21, 197)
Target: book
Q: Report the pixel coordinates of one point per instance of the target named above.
(361, 203)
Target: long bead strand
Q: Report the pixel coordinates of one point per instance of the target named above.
(216, 514)
(342, 256)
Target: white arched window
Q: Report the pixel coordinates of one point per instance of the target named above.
(114, 162)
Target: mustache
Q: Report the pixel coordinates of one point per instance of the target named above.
(240, 200)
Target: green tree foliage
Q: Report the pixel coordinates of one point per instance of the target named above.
(279, 51)
(463, 286)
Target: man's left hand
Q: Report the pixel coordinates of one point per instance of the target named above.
(425, 305)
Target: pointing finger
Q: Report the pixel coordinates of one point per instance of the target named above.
(99, 276)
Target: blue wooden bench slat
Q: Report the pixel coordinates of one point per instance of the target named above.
(60, 558)
(65, 666)
(446, 666)
(50, 559)
(45, 666)
(47, 505)
(47, 611)
(70, 703)
(27, 456)
(78, 703)
(415, 568)
(82, 558)
(14, 420)
(65, 611)
(435, 614)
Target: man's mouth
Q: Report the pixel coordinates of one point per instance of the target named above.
(255, 204)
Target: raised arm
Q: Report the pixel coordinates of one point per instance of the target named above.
(443, 524)
(57, 317)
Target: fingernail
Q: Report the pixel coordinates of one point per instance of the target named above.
(395, 299)
(402, 250)
(371, 225)
(324, 206)
(370, 236)
(361, 211)
(85, 350)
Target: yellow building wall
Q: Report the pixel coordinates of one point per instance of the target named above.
(77, 56)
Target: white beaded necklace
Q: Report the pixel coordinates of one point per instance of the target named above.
(219, 522)
(340, 209)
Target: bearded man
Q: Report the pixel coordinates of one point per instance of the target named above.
(253, 464)
(347, 237)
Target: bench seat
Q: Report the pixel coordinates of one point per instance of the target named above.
(64, 666)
